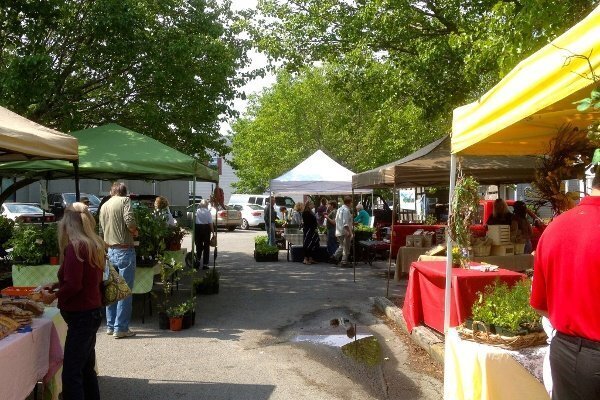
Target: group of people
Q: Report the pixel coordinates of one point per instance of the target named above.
(520, 228)
(338, 221)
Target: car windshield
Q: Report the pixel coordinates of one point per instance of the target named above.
(285, 201)
(70, 198)
(23, 208)
(255, 207)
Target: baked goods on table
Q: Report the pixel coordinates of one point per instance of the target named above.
(17, 313)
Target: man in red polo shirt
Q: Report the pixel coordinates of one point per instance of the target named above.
(566, 286)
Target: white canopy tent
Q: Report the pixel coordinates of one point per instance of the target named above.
(318, 174)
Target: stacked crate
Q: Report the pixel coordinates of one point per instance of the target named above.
(500, 237)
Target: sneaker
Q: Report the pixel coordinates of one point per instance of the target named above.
(109, 331)
(121, 335)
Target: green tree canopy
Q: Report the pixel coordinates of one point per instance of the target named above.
(167, 68)
(355, 118)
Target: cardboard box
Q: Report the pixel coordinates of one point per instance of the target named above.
(419, 240)
(503, 250)
(499, 234)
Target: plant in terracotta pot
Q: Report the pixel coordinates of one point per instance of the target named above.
(174, 237)
(175, 314)
(50, 237)
(169, 276)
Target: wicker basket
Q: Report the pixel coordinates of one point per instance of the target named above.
(505, 342)
(482, 251)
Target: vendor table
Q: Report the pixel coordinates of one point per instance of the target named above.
(407, 255)
(424, 301)
(26, 358)
(478, 371)
(298, 240)
(34, 275)
(371, 248)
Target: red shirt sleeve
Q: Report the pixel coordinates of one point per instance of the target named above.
(72, 275)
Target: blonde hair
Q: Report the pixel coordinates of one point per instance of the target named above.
(161, 202)
(299, 206)
(78, 227)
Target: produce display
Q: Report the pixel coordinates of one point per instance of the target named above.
(17, 313)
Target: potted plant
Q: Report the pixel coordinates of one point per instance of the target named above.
(175, 314)
(168, 277)
(263, 251)
(174, 237)
(363, 232)
(152, 233)
(208, 284)
(189, 317)
(27, 245)
(7, 227)
(50, 238)
(506, 310)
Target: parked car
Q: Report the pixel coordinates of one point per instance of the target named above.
(59, 201)
(252, 215)
(229, 218)
(26, 213)
(262, 200)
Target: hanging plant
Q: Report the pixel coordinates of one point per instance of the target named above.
(465, 203)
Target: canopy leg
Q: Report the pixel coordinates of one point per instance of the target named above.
(449, 247)
(387, 290)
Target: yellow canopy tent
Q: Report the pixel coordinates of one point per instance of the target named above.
(523, 112)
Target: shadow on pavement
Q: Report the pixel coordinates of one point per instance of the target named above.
(132, 388)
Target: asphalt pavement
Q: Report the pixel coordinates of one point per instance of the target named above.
(273, 332)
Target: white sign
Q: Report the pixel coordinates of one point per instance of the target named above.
(43, 198)
(407, 199)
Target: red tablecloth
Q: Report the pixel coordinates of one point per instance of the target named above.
(424, 301)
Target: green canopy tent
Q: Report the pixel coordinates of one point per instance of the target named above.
(114, 152)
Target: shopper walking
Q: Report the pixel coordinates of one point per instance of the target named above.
(343, 231)
(203, 229)
(332, 243)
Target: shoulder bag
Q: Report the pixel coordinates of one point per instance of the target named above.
(114, 287)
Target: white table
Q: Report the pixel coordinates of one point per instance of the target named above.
(26, 358)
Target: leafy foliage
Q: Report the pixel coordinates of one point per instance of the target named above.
(167, 68)
(506, 307)
(7, 226)
(27, 243)
(465, 203)
(152, 233)
(357, 119)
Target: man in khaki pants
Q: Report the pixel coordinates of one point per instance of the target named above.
(343, 231)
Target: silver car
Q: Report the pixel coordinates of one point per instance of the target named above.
(26, 213)
(228, 218)
(252, 215)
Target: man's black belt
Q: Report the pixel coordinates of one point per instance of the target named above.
(590, 344)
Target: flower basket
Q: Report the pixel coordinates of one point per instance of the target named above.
(480, 334)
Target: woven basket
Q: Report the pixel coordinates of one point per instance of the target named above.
(505, 342)
(519, 248)
(482, 251)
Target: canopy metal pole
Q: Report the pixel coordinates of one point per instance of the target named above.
(76, 170)
(387, 290)
(449, 247)
(353, 242)
(194, 209)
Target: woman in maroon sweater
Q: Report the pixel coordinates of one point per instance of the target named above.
(82, 256)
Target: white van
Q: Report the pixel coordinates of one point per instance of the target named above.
(262, 200)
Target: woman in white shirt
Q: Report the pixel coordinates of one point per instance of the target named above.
(203, 228)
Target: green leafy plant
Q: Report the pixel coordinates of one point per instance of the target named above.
(265, 248)
(263, 239)
(465, 203)
(507, 307)
(7, 227)
(27, 243)
(177, 311)
(363, 228)
(152, 233)
(169, 276)
(174, 235)
(50, 237)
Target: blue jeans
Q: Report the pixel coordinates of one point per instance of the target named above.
(118, 315)
(332, 243)
(79, 375)
(271, 233)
